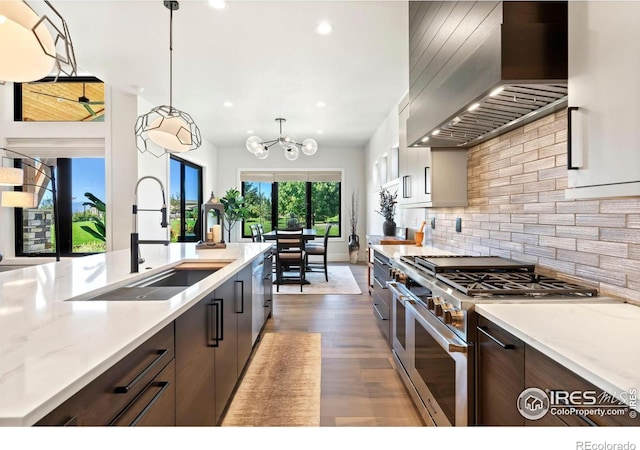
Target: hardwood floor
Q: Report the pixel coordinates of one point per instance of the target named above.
(360, 386)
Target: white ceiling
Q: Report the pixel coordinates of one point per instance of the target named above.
(262, 56)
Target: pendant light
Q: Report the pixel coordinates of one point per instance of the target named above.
(260, 148)
(32, 46)
(166, 129)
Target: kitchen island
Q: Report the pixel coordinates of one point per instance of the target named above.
(53, 342)
(598, 342)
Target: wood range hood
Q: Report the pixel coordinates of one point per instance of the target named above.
(516, 73)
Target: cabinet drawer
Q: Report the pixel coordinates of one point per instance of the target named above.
(500, 375)
(100, 402)
(155, 405)
(544, 373)
(381, 314)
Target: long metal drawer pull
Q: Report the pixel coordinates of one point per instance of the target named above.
(145, 410)
(214, 321)
(71, 422)
(128, 387)
(427, 180)
(378, 312)
(379, 261)
(570, 165)
(483, 329)
(396, 291)
(239, 285)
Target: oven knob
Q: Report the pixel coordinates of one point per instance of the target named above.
(430, 303)
(453, 316)
(437, 308)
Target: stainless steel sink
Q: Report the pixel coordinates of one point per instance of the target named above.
(140, 293)
(161, 286)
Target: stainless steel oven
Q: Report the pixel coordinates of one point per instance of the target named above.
(435, 362)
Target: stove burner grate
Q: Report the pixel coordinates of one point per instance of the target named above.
(511, 283)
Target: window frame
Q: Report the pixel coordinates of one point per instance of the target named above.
(308, 206)
(184, 163)
(64, 178)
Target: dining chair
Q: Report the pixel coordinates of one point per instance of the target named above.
(316, 249)
(255, 234)
(290, 257)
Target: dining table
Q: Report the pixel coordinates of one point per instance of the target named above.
(308, 234)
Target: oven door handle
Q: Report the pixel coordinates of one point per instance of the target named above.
(402, 296)
(451, 344)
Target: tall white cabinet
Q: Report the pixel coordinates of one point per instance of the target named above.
(604, 99)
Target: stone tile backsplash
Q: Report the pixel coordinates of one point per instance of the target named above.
(517, 209)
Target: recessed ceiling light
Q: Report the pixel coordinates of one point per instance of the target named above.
(424, 139)
(219, 4)
(249, 131)
(319, 131)
(474, 106)
(60, 99)
(324, 28)
(435, 133)
(228, 104)
(496, 91)
(2, 19)
(321, 104)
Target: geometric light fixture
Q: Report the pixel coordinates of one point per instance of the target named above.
(261, 148)
(31, 46)
(23, 199)
(166, 129)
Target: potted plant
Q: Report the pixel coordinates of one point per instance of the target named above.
(388, 211)
(354, 240)
(234, 209)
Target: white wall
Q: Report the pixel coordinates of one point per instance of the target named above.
(233, 160)
(380, 144)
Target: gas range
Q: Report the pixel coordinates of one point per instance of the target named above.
(450, 286)
(493, 275)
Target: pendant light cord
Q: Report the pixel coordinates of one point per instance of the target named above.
(170, 60)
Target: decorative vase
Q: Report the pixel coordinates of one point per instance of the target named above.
(389, 228)
(354, 247)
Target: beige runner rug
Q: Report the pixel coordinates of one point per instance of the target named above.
(281, 387)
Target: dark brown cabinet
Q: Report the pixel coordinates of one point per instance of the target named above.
(196, 342)
(546, 374)
(506, 366)
(126, 388)
(501, 375)
(243, 309)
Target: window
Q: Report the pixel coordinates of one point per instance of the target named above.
(286, 201)
(185, 183)
(81, 210)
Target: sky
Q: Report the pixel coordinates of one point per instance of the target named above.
(88, 176)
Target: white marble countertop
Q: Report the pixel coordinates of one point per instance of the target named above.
(599, 342)
(396, 251)
(50, 347)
